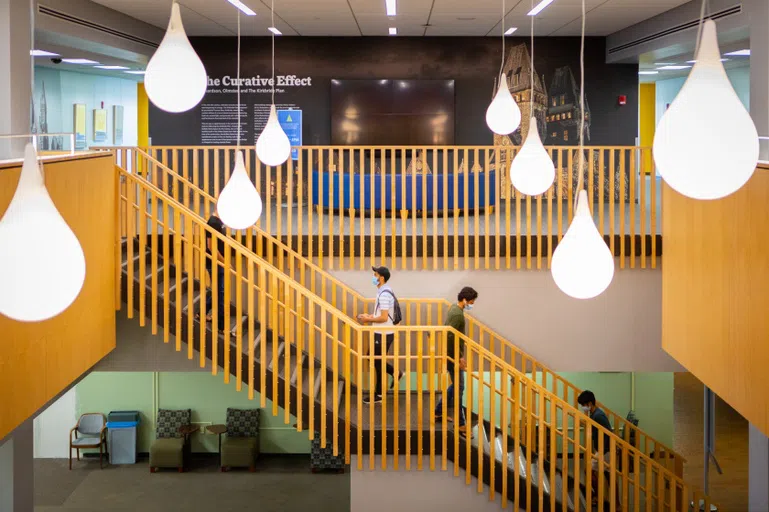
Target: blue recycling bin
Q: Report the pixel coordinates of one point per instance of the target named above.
(122, 429)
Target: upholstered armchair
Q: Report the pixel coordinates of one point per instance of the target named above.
(167, 450)
(323, 459)
(90, 432)
(240, 448)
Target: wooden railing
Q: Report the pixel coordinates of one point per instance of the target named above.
(507, 407)
(420, 208)
(429, 312)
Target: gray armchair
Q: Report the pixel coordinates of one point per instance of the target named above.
(90, 432)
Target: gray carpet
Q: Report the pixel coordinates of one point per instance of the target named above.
(279, 484)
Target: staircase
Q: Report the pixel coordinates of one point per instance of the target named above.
(308, 357)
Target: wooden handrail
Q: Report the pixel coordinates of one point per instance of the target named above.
(479, 331)
(159, 223)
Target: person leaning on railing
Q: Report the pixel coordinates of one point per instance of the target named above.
(587, 404)
(455, 317)
(215, 259)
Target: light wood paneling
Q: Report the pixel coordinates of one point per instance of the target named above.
(714, 293)
(37, 360)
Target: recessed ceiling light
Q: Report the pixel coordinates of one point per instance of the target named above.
(134, 72)
(243, 7)
(510, 30)
(673, 68)
(539, 7)
(275, 31)
(43, 53)
(393, 31)
(648, 72)
(740, 53)
(79, 61)
(111, 67)
(390, 6)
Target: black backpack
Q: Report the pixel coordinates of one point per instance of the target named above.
(397, 316)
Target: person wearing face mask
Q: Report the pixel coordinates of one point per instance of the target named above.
(587, 404)
(455, 317)
(384, 314)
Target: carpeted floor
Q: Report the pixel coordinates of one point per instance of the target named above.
(280, 484)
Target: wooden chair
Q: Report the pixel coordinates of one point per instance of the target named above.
(92, 426)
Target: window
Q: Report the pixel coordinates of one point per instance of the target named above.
(565, 135)
(555, 134)
(563, 99)
(569, 115)
(554, 103)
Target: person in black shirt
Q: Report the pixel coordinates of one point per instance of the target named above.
(215, 259)
(587, 405)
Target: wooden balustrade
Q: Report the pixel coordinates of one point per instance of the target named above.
(416, 311)
(438, 207)
(522, 429)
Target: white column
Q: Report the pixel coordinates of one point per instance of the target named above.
(758, 16)
(15, 72)
(17, 477)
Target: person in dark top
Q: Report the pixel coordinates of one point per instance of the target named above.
(587, 405)
(455, 317)
(215, 259)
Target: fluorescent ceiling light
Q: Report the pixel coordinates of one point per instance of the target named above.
(43, 53)
(539, 7)
(275, 31)
(111, 67)
(390, 6)
(79, 61)
(243, 7)
(648, 72)
(664, 63)
(510, 30)
(693, 61)
(673, 68)
(135, 72)
(740, 53)
(393, 31)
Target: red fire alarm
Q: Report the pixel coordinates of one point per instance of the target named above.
(622, 100)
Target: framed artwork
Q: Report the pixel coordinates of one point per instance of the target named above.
(99, 125)
(117, 125)
(79, 126)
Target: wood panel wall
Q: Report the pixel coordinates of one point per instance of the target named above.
(37, 360)
(715, 293)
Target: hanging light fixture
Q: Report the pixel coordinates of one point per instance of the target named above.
(42, 266)
(532, 171)
(706, 145)
(582, 264)
(175, 79)
(239, 205)
(273, 147)
(503, 116)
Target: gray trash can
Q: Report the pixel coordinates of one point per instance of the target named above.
(121, 436)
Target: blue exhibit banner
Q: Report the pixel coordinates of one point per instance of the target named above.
(291, 122)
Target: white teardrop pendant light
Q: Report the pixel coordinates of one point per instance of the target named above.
(532, 171)
(272, 146)
(239, 204)
(42, 266)
(582, 264)
(706, 145)
(503, 115)
(175, 79)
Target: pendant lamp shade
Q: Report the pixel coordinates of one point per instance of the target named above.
(706, 145)
(532, 171)
(582, 264)
(503, 115)
(239, 205)
(175, 79)
(273, 147)
(42, 266)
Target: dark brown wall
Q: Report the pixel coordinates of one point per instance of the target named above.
(472, 62)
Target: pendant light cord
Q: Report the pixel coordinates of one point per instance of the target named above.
(272, 16)
(531, 98)
(705, 3)
(238, 72)
(502, 65)
(581, 158)
(32, 127)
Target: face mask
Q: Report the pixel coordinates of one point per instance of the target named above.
(468, 307)
(375, 280)
(585, 409)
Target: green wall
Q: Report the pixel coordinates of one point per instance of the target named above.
(206, 395)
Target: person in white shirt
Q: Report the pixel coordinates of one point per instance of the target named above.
(382, 316)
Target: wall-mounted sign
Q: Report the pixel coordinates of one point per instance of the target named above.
(291, 122)
(99, 125)
(79, 126)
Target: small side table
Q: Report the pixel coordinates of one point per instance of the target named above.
(187, 431)
(218, 430)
